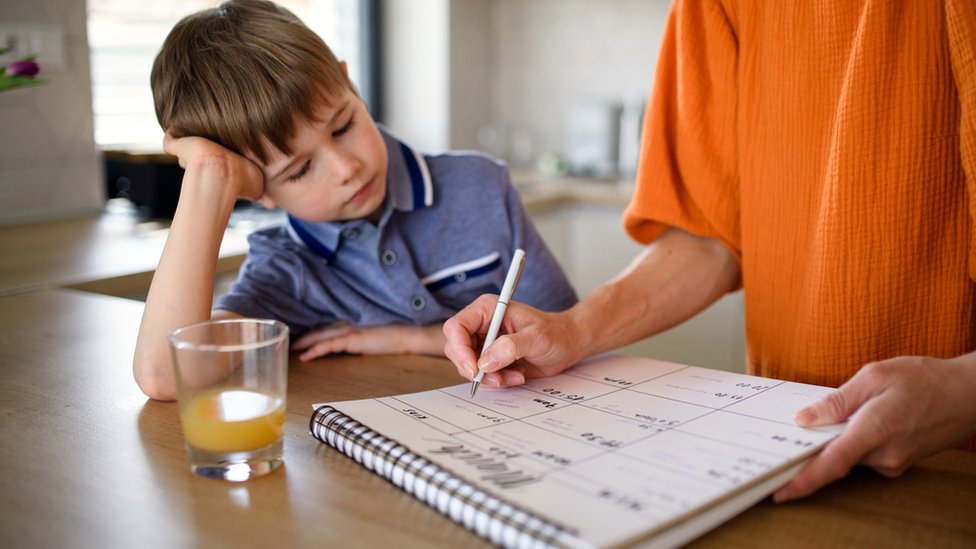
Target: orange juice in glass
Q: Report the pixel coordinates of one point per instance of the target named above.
(231, 382)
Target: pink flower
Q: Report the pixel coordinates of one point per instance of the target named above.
(24, 67)
(19, 73)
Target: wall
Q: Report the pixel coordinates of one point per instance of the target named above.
(415, 56)
(504, 76)
(472, 67)
(48, 163)
(437, 71)
(552, 55)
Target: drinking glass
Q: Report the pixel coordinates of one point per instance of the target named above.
(231, 378)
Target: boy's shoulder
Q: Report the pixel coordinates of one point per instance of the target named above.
(461, 171)
(444, 160)
(474, 167)
(475, 158)
(272, 240)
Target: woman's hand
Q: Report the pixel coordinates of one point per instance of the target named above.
(533, 344)
(899, 410)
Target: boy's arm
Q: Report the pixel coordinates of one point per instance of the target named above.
(372, 340)
(181, 292)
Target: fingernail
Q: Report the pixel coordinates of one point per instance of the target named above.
(471, 370)
(488, 364)
(490, 380)
(805, 417)
(513, 378)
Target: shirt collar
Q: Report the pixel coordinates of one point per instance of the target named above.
(407, 176)
(408, 188)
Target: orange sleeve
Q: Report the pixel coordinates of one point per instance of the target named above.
(961, 28)
(687, 175)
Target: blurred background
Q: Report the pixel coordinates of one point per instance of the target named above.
(556, 88)
(549, 85)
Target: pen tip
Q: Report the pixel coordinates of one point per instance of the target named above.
(474, 388)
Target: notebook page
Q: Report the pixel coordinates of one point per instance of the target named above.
(616, 449)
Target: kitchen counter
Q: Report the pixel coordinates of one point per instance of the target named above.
(543, 193)
(116, 252)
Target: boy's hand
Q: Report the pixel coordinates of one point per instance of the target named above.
(374, 340)
(209, 161)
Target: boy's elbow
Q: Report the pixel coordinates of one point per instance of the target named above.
(154, 379)
(157, 391)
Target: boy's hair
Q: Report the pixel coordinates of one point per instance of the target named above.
(240, 74)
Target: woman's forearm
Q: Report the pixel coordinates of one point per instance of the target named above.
(674, 278)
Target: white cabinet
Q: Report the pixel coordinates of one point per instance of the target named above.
(590, 243)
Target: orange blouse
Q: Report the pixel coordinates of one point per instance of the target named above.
(831, 146)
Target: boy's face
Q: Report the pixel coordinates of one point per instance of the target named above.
(337, 169)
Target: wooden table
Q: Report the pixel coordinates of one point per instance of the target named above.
(88, 461)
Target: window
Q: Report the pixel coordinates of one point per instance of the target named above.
(124, 37)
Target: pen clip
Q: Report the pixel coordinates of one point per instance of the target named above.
(518, 275)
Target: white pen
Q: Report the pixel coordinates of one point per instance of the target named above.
(511, 280)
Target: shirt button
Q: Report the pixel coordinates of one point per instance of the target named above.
(389, 257)
(418, 302)
(351, 232)
(460, 277)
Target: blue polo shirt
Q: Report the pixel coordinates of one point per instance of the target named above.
(449, 226)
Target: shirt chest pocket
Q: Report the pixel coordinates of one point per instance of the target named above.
(467, 280)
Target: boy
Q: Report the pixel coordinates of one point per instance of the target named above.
(381, 244)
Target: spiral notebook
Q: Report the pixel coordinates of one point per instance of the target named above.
(614, 451)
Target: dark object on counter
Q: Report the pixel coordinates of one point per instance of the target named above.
(151, 181)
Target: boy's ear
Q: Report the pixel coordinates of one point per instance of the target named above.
(267, 202)
(345, 71)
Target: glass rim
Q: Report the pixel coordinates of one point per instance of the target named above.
(177, 343)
